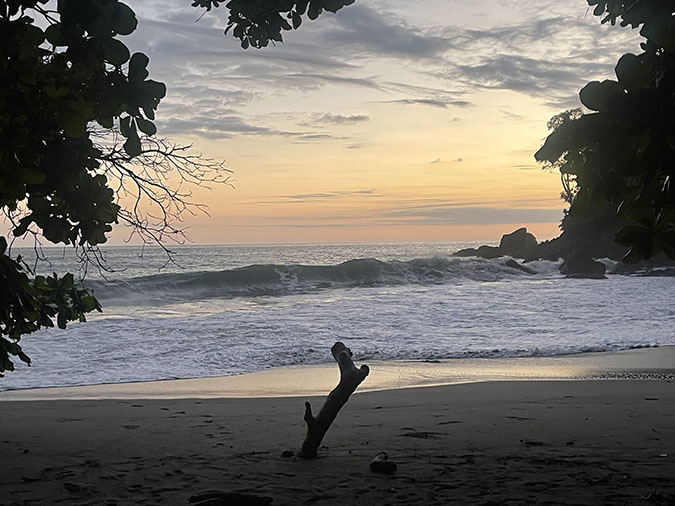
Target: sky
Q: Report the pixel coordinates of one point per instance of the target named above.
(392, 120)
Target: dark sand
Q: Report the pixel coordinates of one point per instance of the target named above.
(500, 442)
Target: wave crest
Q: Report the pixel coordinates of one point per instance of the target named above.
(271, 280)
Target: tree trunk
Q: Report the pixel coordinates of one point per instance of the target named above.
(350, 378)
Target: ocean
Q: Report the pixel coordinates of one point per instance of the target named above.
(226, 310)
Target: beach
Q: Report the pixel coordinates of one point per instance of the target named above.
(534, 441)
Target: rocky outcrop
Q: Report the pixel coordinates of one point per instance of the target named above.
(483, 252)
(519, 243)
(584, 238)
(581, 265)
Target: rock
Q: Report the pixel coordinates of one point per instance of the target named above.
(287, 454)
(519, 243)
(581, 265)
(515, 265)
(382, 464)
(487, 252)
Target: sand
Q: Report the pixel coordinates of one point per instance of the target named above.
(581, 442)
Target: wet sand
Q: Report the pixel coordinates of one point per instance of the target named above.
(582, 442)
(317, 380)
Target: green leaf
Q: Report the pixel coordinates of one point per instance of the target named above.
(137, 67)
(155, 89)
(632, 73)
(115, 52)
(56, 36)
(24, 223)
(601, 96)
(125, 20)
(145, 126)
(61, 320)
(301, 6)
(124, 125)
(133, 144)
(25, 358)
(335, 5)
(314, 9)
(296, 19)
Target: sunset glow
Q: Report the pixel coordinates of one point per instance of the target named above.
(390, 121)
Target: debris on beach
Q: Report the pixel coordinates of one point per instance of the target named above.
(382, 464)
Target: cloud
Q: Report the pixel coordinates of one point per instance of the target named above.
(441, 102)
(300, 198)
(511, 115)
(328, 78)
(550, 58)
(339, 119)
(317, 137)
(215, 127)
(371, 32)
(397, 54)
(328, 195)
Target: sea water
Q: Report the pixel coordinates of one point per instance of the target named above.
(224, 310)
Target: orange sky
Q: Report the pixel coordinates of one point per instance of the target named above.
(396, 120)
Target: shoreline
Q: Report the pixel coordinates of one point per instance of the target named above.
(655, 363)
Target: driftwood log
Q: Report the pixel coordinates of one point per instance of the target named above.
(350, 378)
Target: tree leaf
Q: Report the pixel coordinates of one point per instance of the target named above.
(145, 126)
(314, 9)
(115, 52)
(137, 67)
(133, 144)
(601, 96)
(55, 35)
(125, 21)
(296, 19)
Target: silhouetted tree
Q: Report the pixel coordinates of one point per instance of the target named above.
(258, 22)
(624, 152)
(78, 152)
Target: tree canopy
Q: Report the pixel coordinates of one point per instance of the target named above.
(624, 152)
(258, 22)
(77, 130)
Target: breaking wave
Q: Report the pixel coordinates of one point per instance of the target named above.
(271, 280)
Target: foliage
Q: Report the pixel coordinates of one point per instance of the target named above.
(77, 114)
(257, 22)
(624, 151)
(28, 304)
